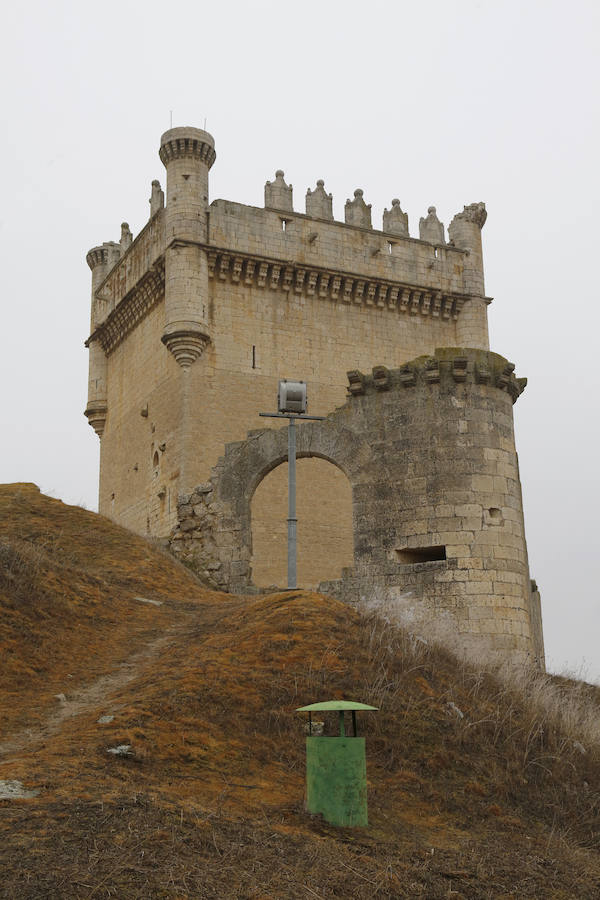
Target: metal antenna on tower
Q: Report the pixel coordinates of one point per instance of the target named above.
(171, 112)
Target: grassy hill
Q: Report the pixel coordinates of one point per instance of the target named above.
(478, 786)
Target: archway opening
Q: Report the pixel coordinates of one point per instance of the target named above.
(324, 510)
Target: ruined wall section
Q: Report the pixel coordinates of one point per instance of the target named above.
(437, 516)
(447, 542)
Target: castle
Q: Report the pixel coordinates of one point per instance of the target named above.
(409, 486)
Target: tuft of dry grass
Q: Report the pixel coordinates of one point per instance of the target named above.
(68, 583)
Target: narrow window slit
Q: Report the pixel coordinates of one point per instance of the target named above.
(412, 555)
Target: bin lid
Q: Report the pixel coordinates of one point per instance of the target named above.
(337, 705)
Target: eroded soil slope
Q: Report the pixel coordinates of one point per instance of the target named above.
(474, 790)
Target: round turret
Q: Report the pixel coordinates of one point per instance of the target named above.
(187, 143)
(187, 153)
(97, 256)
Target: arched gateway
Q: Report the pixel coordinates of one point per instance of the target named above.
(214, 533)
(437, 515)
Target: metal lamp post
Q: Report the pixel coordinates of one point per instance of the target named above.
(292, 403)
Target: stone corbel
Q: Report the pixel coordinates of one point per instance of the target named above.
(96, 413)
(356, 382)
(186, 341)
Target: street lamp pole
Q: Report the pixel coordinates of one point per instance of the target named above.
(292, 404)
(292, 518)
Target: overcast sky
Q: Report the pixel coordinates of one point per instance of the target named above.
(432, 102)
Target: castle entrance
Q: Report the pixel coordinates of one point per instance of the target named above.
(324, 509)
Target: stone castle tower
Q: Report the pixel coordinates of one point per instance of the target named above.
(410, 484)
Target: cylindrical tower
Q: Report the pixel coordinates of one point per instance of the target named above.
(440, 525)
(187, 153)
(100, 260)
(465, 232)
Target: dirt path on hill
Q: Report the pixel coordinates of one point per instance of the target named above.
(97, 694)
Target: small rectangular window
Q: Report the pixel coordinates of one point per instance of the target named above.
(411, 555)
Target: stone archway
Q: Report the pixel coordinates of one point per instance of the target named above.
(215, 525)
(324, 529)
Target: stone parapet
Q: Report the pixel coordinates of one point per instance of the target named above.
(134, 306)
(247, 231)
(140, 257)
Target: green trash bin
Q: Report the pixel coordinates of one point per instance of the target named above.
(336, 768)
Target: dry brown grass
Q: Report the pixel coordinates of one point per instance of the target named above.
(68, 582)
(499, 803)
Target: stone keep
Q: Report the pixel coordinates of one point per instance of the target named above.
(194, 322)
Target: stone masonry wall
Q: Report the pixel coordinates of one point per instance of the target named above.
(437, 518)
(197, 318)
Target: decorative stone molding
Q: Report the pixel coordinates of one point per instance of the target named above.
(329, 285)
(356, 382)
(278, 194)
(432, 371)
(357, 212)
(157, 198)
(459, 369)
(132, 309)
(185, 343)
(431, 229)
(96, 413)
(381, 378)
(449, 365)
(187, 143)
(319, 204)
(395, 221)
(126, 237)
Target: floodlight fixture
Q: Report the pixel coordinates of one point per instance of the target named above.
(291, 397)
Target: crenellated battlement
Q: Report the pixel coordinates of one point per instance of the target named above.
(277, 248)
